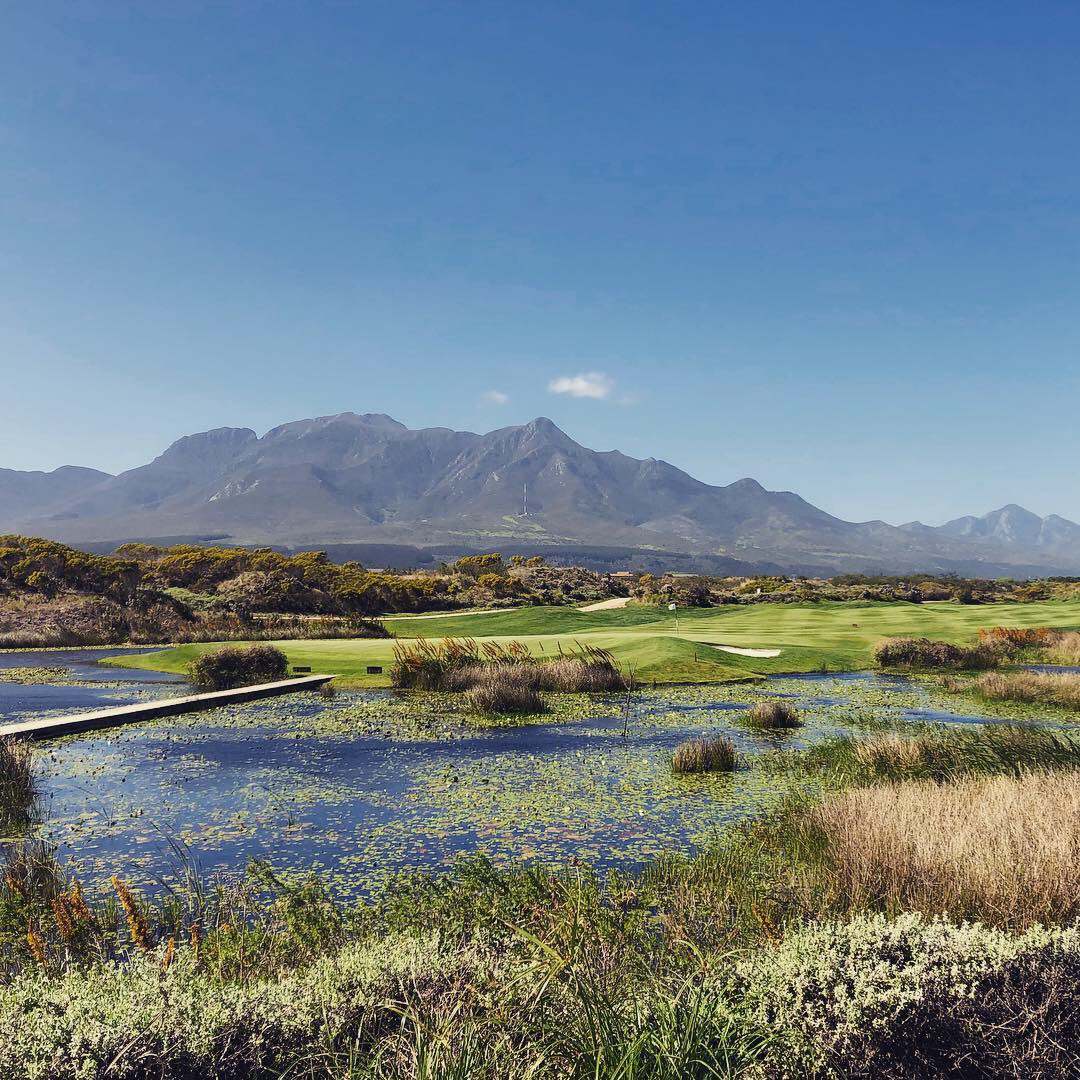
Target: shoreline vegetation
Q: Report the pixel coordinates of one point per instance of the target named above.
(912, 916)
(907, 907)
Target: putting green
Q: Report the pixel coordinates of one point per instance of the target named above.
(810, 637)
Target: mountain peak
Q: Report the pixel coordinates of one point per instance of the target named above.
(748, 485)
(365, 477)
(216, 442)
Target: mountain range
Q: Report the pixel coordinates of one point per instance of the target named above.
(367, 479)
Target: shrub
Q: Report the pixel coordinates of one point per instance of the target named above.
(922, 653)
(773, 715)
(913, 997)
(227, 668)
(705, 755)
(1019, 637)
(18, 786)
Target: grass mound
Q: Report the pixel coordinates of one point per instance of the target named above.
(705, 755)
(773, 715)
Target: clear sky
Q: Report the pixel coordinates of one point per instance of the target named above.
(832, 246)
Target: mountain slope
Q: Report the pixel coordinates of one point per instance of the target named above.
(369, 479)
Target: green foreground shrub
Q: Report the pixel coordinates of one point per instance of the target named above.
(227, 668)
(891, 999)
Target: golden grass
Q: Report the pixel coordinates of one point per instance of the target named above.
(1005, 850)
(1029, 686)
(1065, 650)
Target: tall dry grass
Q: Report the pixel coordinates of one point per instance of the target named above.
(1066, 650)
(504, 688)
(1005, 850)
(1032, 687)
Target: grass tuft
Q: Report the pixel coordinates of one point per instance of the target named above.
(703, 755)
(18, 785)
(773, 715)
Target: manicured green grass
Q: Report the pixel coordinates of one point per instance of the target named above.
(810, 637)
(651, 658)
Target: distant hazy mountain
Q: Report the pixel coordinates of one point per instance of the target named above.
(351, 479)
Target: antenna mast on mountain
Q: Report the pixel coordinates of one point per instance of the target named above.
(525, 499)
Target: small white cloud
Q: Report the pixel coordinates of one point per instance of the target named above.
(591, 384)
(495, 397)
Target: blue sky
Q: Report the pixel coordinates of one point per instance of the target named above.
(830, 246)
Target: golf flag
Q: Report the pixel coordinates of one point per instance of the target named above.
(671, 607)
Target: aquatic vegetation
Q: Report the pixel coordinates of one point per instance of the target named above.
(460, 664)
(18, 784)
(37, 675)
(773, 715)
(934, 752)
(700, 755)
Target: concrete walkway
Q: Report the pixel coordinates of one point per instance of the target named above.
(152, 710)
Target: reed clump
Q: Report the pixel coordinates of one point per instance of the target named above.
(461, 664)
(997, 749)
(18, 784)
(500, 692)
(1000, 849)
(773, 715)
(702, 755)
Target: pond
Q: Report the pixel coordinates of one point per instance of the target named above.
(79, 685)
(367, 783)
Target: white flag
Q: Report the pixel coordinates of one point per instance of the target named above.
(671, 607)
